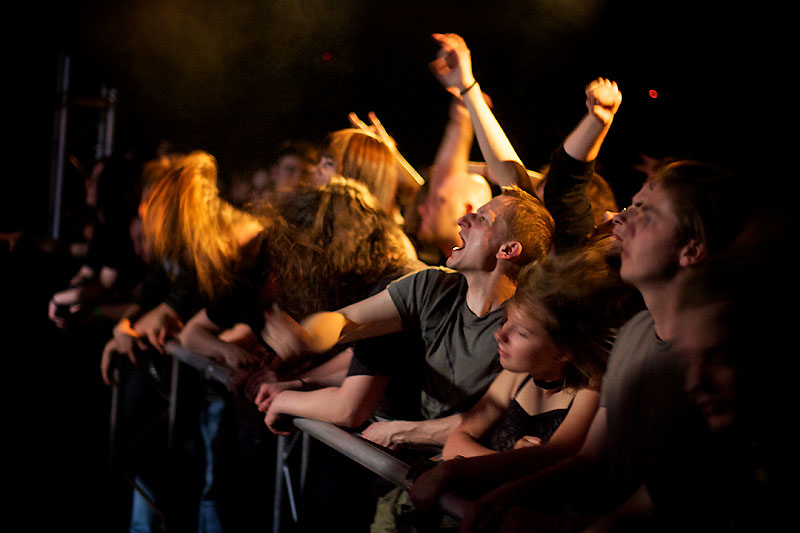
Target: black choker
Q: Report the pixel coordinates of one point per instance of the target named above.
(548, 385)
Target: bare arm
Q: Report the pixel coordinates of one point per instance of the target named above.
(554, 481)
(630, 516)
(394, 433)
(483, 473)
(463, 440)
(453, 67)
(349, 405)
(603, 99)
(453, 154)
(320, 332)
(201, 335)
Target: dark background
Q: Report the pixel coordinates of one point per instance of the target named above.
(235, 78)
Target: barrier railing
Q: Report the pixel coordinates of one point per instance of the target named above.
(350, 445)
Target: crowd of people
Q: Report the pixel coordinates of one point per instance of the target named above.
(561, 364)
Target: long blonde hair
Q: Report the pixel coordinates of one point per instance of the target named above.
(364, 157)
(185, 220)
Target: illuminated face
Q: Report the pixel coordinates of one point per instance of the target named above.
(439, 216)
(711, 378)
(482, 233)
(619, 220)
(324, 171)
(525, 345)
(650, 251)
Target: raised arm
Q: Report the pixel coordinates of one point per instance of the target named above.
(453, 68)
(453, 154)
(571, 169)
(603, 99)
(376, 315)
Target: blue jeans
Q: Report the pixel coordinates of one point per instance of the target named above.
(210, 418)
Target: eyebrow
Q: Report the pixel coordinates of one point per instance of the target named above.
(488, 213)
(647, 208)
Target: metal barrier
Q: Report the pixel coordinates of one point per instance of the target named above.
(350, 445)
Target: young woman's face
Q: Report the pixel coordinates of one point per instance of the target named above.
(526, 346)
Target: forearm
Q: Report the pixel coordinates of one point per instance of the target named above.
(488, 471)
(462, 443)
(453, 154)
(428, 431)
(331, 373)
(326, 405)
(584, 142)
(202, 338)
(505, 166)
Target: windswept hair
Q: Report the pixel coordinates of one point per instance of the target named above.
(185, 220)
(581, 302)
(343, 246)
(364, 157)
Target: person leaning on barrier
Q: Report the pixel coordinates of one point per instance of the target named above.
(553, 347)
(453, 311)
(686, 214)
(194, 241)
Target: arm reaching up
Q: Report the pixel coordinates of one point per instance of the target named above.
(603, 99)
(453, 68)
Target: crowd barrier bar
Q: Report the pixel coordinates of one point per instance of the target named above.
(351, 446)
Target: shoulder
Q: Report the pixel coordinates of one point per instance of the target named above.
(430, 276)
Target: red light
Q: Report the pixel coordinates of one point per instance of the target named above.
(327, 56)
(653, 93)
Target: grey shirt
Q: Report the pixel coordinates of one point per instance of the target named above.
(649, 415)
(459, 347)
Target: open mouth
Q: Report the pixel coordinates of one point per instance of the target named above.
(463, 243)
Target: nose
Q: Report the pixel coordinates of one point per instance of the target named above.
(500, 335)
(466, 220)
(621, 217)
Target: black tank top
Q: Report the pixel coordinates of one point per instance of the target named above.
(517, 423)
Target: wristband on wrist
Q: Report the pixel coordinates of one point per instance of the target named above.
(473, 84)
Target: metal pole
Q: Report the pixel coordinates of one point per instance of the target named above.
(277, 503)
(110, 115)
(378, 461)
(59, 146)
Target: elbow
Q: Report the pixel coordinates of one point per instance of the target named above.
(454, 446)
(352, 417)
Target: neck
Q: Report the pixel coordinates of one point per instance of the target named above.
(549, 385)
(661, 300)
(487, 291)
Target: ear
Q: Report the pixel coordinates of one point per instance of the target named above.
(509, 250)
(692, 253)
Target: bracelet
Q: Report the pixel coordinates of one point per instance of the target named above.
(465, 91)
